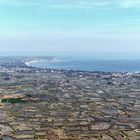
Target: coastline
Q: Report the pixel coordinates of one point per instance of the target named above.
(98, 66)
(29, 63)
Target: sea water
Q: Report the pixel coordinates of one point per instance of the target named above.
(108, 62)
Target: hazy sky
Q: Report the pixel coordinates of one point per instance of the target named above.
(70, 25)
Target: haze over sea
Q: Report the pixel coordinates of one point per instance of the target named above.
(88, 61)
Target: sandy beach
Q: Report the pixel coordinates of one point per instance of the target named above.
(29, 63)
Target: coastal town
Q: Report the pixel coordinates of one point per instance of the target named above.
(50, 104)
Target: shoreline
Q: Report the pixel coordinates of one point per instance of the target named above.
(86, 71)
(29, 63)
